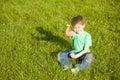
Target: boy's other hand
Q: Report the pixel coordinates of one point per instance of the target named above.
(73, 55)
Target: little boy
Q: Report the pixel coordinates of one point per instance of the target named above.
(81, 41)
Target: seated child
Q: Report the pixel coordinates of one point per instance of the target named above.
(81, 41)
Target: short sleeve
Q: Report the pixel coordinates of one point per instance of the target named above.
(88, 40)
(72, 37)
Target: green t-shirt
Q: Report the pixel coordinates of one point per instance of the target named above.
(79, 41)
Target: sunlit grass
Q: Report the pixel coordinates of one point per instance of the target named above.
(32, 32)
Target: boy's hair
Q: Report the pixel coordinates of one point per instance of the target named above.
(77, 19)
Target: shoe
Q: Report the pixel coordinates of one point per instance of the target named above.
(67, 67)
(74, 70)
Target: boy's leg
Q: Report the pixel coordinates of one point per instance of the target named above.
(64, 59)
(86, 61)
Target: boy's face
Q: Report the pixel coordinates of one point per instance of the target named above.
(79, 27)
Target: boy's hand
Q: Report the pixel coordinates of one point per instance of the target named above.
(73, 55)
(68, 32)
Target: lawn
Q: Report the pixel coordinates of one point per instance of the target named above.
(32, 32)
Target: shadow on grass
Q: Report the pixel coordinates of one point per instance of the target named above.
(49, 36)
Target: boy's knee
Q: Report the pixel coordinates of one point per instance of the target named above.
(90, 57)
(61, 55)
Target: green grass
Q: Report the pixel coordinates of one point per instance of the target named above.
(32, 33)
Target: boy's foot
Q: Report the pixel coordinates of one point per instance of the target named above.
(67, 67)
(74, 70)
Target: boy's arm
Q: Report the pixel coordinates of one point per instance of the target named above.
(68, 32)
(82, 52)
